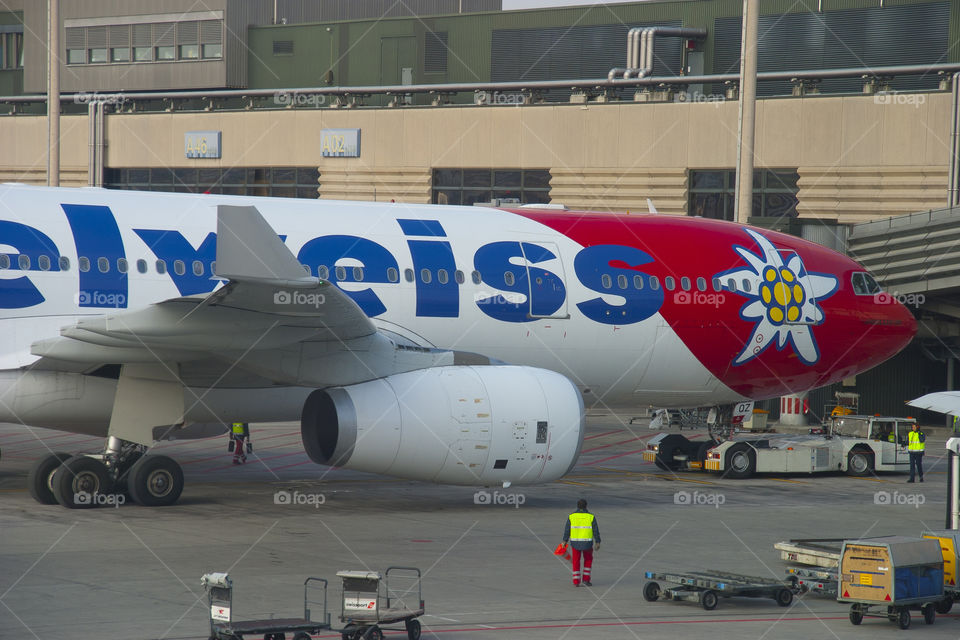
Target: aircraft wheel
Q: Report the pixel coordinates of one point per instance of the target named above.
(741, 461)
(123, 471)
(79, 480)
(40, 477)
(155, 481)
(860, 463)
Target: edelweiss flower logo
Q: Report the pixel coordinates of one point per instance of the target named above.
(782, 300)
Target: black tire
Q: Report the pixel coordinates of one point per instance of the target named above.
(155, 481)
(413, 629)
(784, 597)
(301, 635)
(374, 633)
(741, 462)
(860, 463)
(929, 613)
(79, 480)
(40, 477)
(903, 618)
(709, 600)
(123, 472)
(944, 606)
(856, 616)
(702, 449)
(651, 592)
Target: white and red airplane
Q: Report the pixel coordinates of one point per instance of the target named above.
(441, 343)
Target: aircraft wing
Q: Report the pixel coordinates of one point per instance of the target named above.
(271, 318)
(941, 402)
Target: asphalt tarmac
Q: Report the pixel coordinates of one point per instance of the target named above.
(132, 573)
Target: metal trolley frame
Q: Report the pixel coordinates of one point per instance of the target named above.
(707, 587)
(219, 589)
(370, 599)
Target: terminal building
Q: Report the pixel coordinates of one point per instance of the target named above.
(329, 99)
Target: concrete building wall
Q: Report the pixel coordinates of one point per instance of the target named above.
(858, 157)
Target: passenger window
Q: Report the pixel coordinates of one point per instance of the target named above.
(508, 278)
(458, 276)
(669, 283)
(103, 265)
(425, 276)
(358, 274)
(4, 261)
(179, 267)
(654, 283)
(323, 272)
(622, 281)
(732, 285)
(44, 263)
(161, 267)
(64, 263)
(341, 273)
(213, 268)
(122, 265)
(716, 285)
(475, 277)
(638, 282)
(746, 285)
(141, 266)
(606, 281)
(198, 268)
(24, 262)
(83, 264)
(393, 275)
(442, 276)
(685, 283)
(306, 269)
(408, 275)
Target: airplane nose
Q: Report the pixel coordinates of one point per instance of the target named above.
(894, 324)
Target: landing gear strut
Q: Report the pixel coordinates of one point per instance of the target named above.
(88, 480)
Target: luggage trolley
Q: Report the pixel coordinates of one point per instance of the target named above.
(219, 589)
(371, 599)
(707, 587)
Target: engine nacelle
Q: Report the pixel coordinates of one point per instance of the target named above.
(465, 425)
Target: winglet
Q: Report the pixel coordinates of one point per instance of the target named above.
(650, 207)
(248, 249)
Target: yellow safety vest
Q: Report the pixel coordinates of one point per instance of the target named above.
(581, 527)
(891, 438)
(913, 441)
(239, 428)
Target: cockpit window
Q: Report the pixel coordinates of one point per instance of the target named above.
(864, 284)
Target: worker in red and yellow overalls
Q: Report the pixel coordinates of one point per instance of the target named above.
(584, 535)
(239, 434)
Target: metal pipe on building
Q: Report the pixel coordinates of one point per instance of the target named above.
(748, 110)
(953, 191)
(53, 90)
(466, 87)
(641, 43)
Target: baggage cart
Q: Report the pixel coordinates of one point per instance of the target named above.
(370, 599)
(822, 582)
(890, 576)
(219, 589)
(949, 540)
(707, 587)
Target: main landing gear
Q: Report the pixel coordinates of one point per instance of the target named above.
(106, 479)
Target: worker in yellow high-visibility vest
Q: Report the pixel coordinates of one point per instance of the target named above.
(583, 534)
(239, 434)
(916, 443)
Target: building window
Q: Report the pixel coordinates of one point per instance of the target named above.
(143, 54)
(713, 193)
(189, 52)
(97, 56)
(212, 51)
(76, 56)
(284, 182)
(469, 186)
(165, 53)
(120, 54)
(11, 47)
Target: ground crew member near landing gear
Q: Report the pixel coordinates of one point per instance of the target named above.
(239, 435)
(584, 535)
(916, 443)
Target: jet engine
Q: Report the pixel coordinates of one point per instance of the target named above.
(468, 425)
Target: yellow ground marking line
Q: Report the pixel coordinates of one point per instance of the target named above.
(792, 481)
(579, 484)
